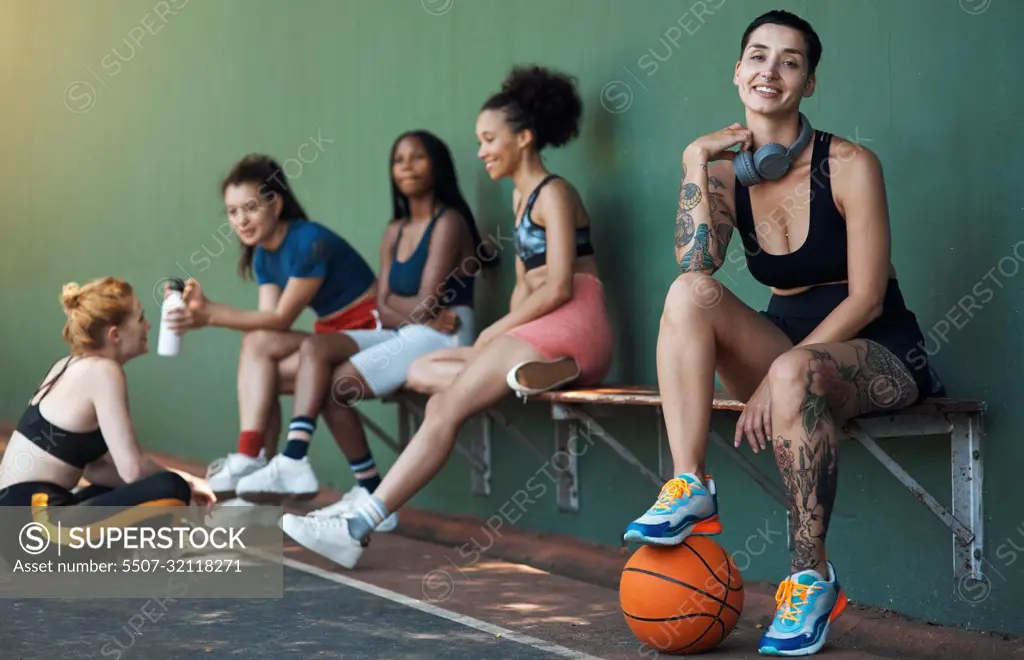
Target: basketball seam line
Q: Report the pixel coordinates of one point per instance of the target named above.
(708, 566)
(682, 584)
(721, 604)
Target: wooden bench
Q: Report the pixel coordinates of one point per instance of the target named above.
(574, 412)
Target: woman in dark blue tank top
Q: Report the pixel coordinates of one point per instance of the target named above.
(556, 329)
(836, 341)
(431, 253)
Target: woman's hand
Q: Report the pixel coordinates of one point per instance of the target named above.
(486, 337)
(755, 421)
(446, 322)
(714, 146)
(195, 313)
(202, 495)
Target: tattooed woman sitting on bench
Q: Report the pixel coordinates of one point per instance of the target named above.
(835, 342)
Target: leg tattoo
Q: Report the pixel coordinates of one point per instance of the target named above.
(868, 378)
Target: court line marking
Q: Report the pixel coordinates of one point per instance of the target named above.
(440, 612)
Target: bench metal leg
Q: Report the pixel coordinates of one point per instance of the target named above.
(963, 536)
(561, 411)
(967, 477)
(480, 446)
(566, 463)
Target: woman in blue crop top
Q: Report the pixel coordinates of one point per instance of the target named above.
(430, 254)
(77, 424)
(297, 263)
(556, 331)
(836, 341)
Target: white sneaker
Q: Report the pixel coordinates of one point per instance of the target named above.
(281, 479)
(347, 504)
(327, 536)
(223, 474)
(240, 513)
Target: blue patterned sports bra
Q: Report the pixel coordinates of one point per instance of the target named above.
(531, 239)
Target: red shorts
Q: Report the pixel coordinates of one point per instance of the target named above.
(358, 317)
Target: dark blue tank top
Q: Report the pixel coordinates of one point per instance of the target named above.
(405, 277)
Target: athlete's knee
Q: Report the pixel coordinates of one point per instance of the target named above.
(260, 342)
(420, 376)
(314, 348)
(690, 298)
(789, 379)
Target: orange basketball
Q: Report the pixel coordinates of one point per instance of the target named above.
(681, 599)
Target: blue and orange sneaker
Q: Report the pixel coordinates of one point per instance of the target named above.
(685, 506)
(807, 605)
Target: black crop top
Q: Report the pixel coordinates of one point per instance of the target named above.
(77, 449)
(822, 257)
(531, 239)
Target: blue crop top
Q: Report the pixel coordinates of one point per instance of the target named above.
(311, 250)
(531, 239)
(405, 277)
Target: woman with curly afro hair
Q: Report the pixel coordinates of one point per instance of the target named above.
(556, 332)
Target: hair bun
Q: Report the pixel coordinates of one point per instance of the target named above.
(71, 296)
(546, 100)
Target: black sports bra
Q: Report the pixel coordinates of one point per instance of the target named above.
(822, 257)
(77, 449)
(531, 239)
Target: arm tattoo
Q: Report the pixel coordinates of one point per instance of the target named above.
(715, 182)
(699, 256)
(723, 233)
(684, 228)
(691, 196)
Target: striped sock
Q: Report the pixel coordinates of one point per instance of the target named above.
(365, 471)
(300, 432)
(368, 514)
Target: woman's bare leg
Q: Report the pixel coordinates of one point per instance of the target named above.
(435, 371)
(815, 389)
(290, 475)
(481, 384)
(319, 356)
(264, 356)
(347, 389)
(286, 371)
(262, 350)
(705, 328)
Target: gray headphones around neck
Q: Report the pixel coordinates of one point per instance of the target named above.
(772, 160)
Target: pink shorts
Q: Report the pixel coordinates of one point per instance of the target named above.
(579, 329)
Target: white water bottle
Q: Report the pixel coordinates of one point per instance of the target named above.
(170, 342)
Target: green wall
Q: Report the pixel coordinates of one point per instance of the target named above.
(119, 123)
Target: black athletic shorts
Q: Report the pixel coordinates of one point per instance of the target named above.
(896, 329)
